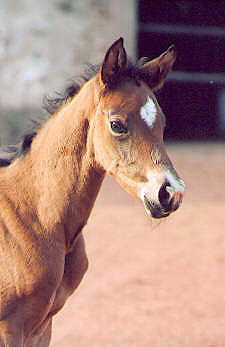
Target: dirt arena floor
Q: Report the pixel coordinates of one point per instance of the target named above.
(154, 284)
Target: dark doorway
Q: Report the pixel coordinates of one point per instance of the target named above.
(191, 99)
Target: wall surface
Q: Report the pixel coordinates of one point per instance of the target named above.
(43, 44)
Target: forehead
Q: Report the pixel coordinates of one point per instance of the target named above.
(137, 104)
(133, 99)
(128, 97)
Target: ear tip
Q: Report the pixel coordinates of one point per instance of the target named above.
(118, 43)
(172, 49)
(120, 40)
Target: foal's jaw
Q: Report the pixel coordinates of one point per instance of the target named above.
(162, 194)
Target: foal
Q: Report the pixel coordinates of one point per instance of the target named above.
(113, 125)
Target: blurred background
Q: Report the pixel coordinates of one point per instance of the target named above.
(43, 44)
(142, 288)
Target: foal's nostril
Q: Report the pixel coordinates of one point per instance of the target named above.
(165, 196)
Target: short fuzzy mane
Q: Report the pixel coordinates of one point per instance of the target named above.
(53, 104)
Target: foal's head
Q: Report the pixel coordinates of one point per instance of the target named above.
(129, 126)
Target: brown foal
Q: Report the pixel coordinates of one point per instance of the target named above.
(113, 125)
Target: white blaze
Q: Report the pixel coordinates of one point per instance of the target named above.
(176, 183)
(156, 179)
(148, 112)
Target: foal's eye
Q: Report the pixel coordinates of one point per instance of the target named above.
(118, 127)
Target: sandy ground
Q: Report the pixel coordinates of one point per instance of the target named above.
(152, 284)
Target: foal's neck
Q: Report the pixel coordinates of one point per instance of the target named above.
(67, 177)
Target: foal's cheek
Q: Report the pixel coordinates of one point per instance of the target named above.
(105, 149)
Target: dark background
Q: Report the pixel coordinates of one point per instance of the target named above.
(192, 97)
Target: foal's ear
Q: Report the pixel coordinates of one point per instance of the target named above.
(156, 70)
(115, 61)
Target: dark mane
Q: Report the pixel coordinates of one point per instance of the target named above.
(53, 104)
(131, 72)
(11, 152)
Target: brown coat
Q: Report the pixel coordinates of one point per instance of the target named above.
(47, 195)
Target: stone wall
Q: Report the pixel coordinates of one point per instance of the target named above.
(44, 43)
